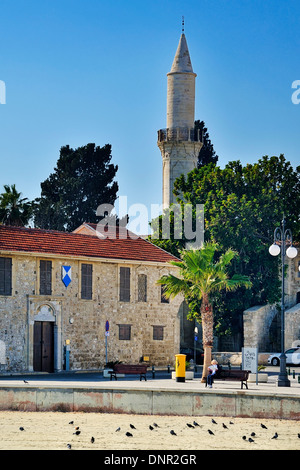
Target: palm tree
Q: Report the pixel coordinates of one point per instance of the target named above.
(14, 210)
(201, 276)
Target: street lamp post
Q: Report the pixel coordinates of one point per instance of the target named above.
(283, 243)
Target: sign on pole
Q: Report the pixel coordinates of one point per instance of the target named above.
(106, 335)
(250, 360)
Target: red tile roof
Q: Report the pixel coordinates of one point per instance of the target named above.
(30, 240)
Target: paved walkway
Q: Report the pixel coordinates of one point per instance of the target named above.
(162, 381)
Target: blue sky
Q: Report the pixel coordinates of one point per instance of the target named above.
(85, 71)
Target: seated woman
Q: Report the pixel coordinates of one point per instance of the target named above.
(212, 369)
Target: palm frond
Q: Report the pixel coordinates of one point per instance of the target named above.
(173, 285)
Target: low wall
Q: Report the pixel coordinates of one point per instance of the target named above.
(235, 403)
(235, 358)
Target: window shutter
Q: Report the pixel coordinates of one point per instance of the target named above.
(5, 276)
(142, 288)
(124, 332)
(87, 281)
(45, 277)
(124, 284)
(163, 299)
(158, 333)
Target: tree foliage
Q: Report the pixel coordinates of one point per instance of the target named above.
(202, 273)
(207, 153)
(242, 207)
(14, 210)
(82, 180)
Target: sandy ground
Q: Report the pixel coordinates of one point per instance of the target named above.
(53, 431)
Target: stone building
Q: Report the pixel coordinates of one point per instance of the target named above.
(262, 323)
(60, 288)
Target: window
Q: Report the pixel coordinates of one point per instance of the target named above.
(125, 284)
(5, 276)
(158, 332)
(163, 299)
(86, 281)
(142, 288)
(45, 277)
(124, 332)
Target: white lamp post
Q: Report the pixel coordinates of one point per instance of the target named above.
(283, 243)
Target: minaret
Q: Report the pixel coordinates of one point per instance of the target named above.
(179, 143)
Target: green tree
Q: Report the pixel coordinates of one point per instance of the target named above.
(14, 210)
(202, 273)
(82, 180)
(207, 153)
(242, 207)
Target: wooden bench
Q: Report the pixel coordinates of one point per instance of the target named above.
(235, 375)
(140, 369)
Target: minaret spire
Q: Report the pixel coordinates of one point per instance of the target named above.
(179, 143)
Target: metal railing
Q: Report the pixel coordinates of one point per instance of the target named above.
(179, 134)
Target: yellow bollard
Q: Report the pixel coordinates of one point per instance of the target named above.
(180, 367)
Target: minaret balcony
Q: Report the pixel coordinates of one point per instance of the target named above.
(179, 134)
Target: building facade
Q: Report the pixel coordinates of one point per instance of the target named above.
(61, 291)
(262, 323)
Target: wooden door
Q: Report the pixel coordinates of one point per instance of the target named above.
(43, 347)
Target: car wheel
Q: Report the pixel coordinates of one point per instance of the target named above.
(275, 361)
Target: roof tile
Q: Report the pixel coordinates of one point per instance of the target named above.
(72, 244)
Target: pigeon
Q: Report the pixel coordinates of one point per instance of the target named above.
(69, 446)
(213, 421)
(118, 429)
(151, 427)
(244, 437)
(25, 381)
(173, 433)
(250, 439)
(253, 434)
(132, 427)
(156, 425)
(71, 422)
(77, 427)
(230, 422)
(21, 428)
(210, 432)
(128, 434)
(77, 433)
(299, 435)
(275, 436)
(263, 426)
(224, 426)
(195, 423)
(92, 440)
(190, 425)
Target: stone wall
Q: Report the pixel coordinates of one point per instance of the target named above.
(257, 322)
(82, 322)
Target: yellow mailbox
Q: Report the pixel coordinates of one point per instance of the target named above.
(180, 367)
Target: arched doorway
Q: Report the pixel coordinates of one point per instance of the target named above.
(43, 346)
(43, 340)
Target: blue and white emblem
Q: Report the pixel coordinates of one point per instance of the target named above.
(66, 275)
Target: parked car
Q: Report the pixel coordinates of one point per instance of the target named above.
(189, 352)
(292, 357)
